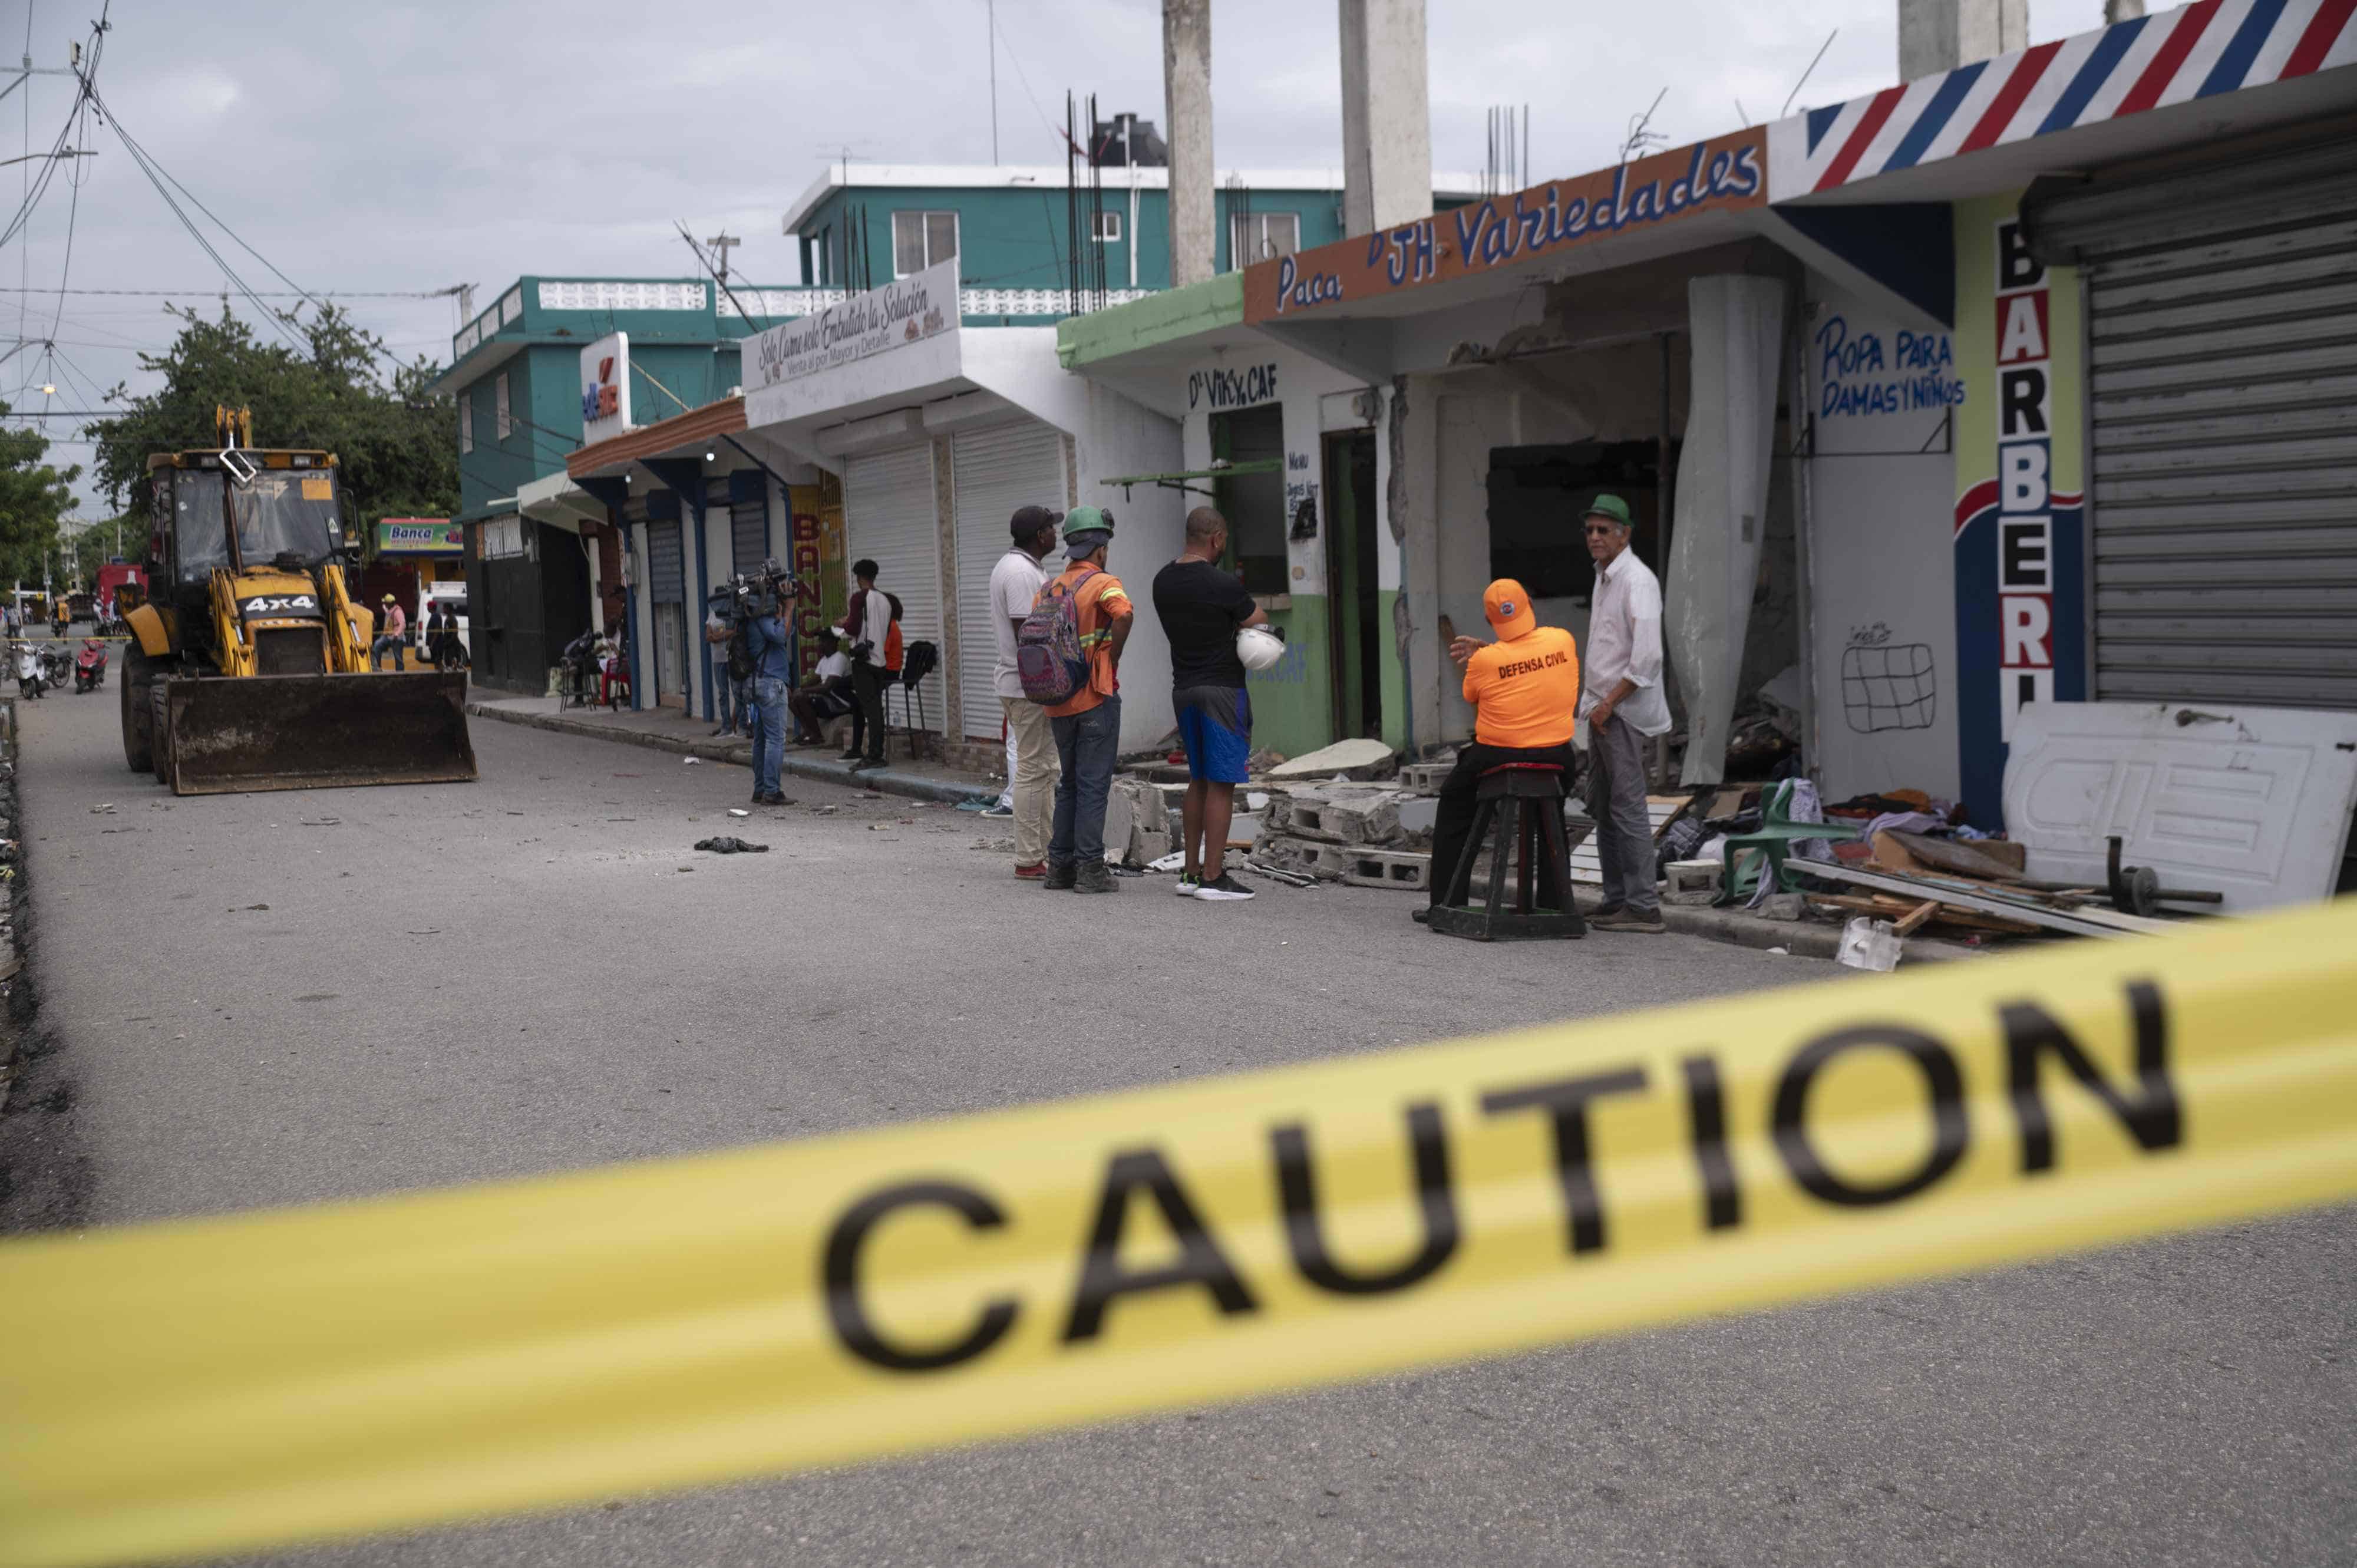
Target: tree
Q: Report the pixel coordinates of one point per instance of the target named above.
(392, 439)
(33, 496)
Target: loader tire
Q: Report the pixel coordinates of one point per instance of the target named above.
(138, 734)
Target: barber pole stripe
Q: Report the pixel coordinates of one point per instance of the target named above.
(2147, 62)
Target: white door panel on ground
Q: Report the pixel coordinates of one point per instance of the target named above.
(2254, 803)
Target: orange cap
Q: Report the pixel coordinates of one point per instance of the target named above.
(1508, 609)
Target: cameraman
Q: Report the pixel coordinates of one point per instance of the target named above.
(767, 644)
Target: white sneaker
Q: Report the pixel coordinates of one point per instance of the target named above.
(1226, 889)
(1189, 885)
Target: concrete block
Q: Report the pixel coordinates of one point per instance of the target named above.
(1426, 778)
(1416, 815)
(1291, 855)
(1693, 876)
(1314, 817)
(1402, 869)
(1137, 824)
(1371, 820)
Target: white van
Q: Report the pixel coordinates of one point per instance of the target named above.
(452, 597)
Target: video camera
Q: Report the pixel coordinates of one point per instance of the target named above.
(748, 594)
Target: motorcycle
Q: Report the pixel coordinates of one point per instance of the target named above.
(30, 684)
(90, 666)
(54, 663)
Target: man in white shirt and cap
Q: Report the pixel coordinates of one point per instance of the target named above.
(1622, 702)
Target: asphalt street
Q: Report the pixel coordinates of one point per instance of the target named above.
(253, 1000)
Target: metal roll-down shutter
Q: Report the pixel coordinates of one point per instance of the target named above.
(992, 472)
(2223, 387)
(888, 516)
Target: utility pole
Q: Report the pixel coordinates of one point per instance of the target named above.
(1187, 102)
(991, 9)
(721, 245)
(1386, 115)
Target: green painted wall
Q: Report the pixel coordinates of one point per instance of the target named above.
(1015, 238)
(1292, 703)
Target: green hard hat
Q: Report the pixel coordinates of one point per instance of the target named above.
(1087, 520)
(1608, 506)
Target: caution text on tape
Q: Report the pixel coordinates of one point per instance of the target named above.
(232, 1383)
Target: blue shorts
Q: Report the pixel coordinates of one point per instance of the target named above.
(1215, 726)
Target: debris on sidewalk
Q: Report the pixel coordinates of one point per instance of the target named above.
(690, 761)
(1348, 758)
(107, 808)
(729, 845)
(738, 811)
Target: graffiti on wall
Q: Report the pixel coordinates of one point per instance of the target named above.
(1886, 685)
(2020, 610)
(1858, 377)
(1222, 388)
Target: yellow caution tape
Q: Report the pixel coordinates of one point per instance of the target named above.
(202, 1387)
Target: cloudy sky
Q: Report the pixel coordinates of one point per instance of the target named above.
(376, 148)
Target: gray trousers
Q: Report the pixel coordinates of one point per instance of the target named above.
(1616, 799)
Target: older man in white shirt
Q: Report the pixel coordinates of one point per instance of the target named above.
(1620, 699)
(1031, 771)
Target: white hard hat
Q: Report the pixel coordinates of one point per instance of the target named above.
(1258, 648)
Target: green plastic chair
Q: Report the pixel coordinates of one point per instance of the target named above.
(1768, 847)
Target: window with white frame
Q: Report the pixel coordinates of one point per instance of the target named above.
(1260, 236)
(920, 240)
(465, 423)
(1108, 228)
(500, 417)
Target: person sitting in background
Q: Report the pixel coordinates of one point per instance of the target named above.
(825, 694)
(1524, 689)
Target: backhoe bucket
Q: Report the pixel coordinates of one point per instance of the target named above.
(227, 736)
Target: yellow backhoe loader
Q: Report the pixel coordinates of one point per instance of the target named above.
(248, 667)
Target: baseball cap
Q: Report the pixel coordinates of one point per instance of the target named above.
(388, 598)
(1085, 528)
(1611, 507)
(1030, 520)
(1507, 607)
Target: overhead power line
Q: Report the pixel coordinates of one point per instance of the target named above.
(261, 293)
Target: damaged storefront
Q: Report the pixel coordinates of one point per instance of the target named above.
(1623, 333)
(1284, 446)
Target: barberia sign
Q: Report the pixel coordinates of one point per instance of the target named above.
(1724, 175)
(908, 311)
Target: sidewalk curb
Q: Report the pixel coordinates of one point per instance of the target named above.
(884, 780)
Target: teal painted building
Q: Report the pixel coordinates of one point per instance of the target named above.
(515, 370)
(515, 377)
(1009, 227)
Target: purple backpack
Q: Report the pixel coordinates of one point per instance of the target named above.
(1047, 653)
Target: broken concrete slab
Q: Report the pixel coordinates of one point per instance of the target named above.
(1351, 758)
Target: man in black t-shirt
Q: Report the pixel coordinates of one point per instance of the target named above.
(1202, 608)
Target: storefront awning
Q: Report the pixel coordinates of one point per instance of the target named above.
(556, 501)
(682, 434)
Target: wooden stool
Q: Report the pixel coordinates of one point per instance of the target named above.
(1525, 800)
